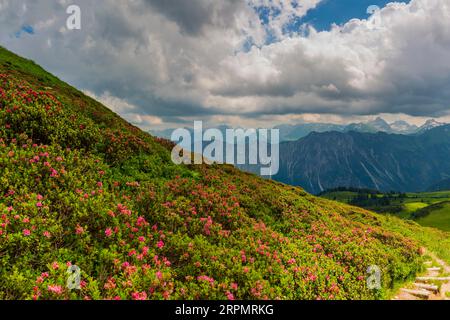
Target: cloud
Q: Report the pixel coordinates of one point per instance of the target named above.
(178, 60)
(193, 16)
(277, 15)
(130, 112)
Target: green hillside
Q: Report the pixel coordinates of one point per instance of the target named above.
(430, 209)
(80, 186)
(436, 216)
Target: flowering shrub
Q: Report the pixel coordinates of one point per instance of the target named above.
(79, 186)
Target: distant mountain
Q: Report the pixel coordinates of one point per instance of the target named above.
(397, 127)
(290, 132)
(298, 131)
(403, 127)
(380, 124)
(379, 161)
(430, 124)
(442, 185)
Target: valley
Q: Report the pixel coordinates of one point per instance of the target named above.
(380, 161)
(430, 209)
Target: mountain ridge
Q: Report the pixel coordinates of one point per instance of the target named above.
(379, 161)
(295, 132)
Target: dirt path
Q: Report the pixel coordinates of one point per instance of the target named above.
(434, 285)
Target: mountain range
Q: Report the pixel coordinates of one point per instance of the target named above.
(377, 155)
(290, 132)
(378, 161)
(298, 131)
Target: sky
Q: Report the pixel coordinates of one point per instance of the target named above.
(254, 63)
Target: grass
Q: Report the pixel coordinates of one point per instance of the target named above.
(412, 207)
(438, 218)
(430, 209)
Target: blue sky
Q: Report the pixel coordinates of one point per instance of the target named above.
(24, 29)
(325, 14)
(341, 11)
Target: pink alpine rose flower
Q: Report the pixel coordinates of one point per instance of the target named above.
(55, 289)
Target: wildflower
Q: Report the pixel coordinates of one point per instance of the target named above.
(110, 284)
(139, 295)
(55, 265)
(141, 239)
(108, 232)
(206, 278)
(160, 244)
(26, 232)
(39, 204)
(140, 221)
(79, 230)
(229, 295)
(55, 289)
(39, 197)
(46, 234)
(312, 277)
(159, 275)
(54, 173)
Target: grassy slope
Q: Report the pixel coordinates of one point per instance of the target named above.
(80, 185)
(436, 215)
(432, 207)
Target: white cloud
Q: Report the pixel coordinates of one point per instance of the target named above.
(282, 12)
(127, 110)
(154, 58)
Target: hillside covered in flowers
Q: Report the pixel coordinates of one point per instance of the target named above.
(80, 186)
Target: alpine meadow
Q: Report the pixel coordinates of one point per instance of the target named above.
(229, 158)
